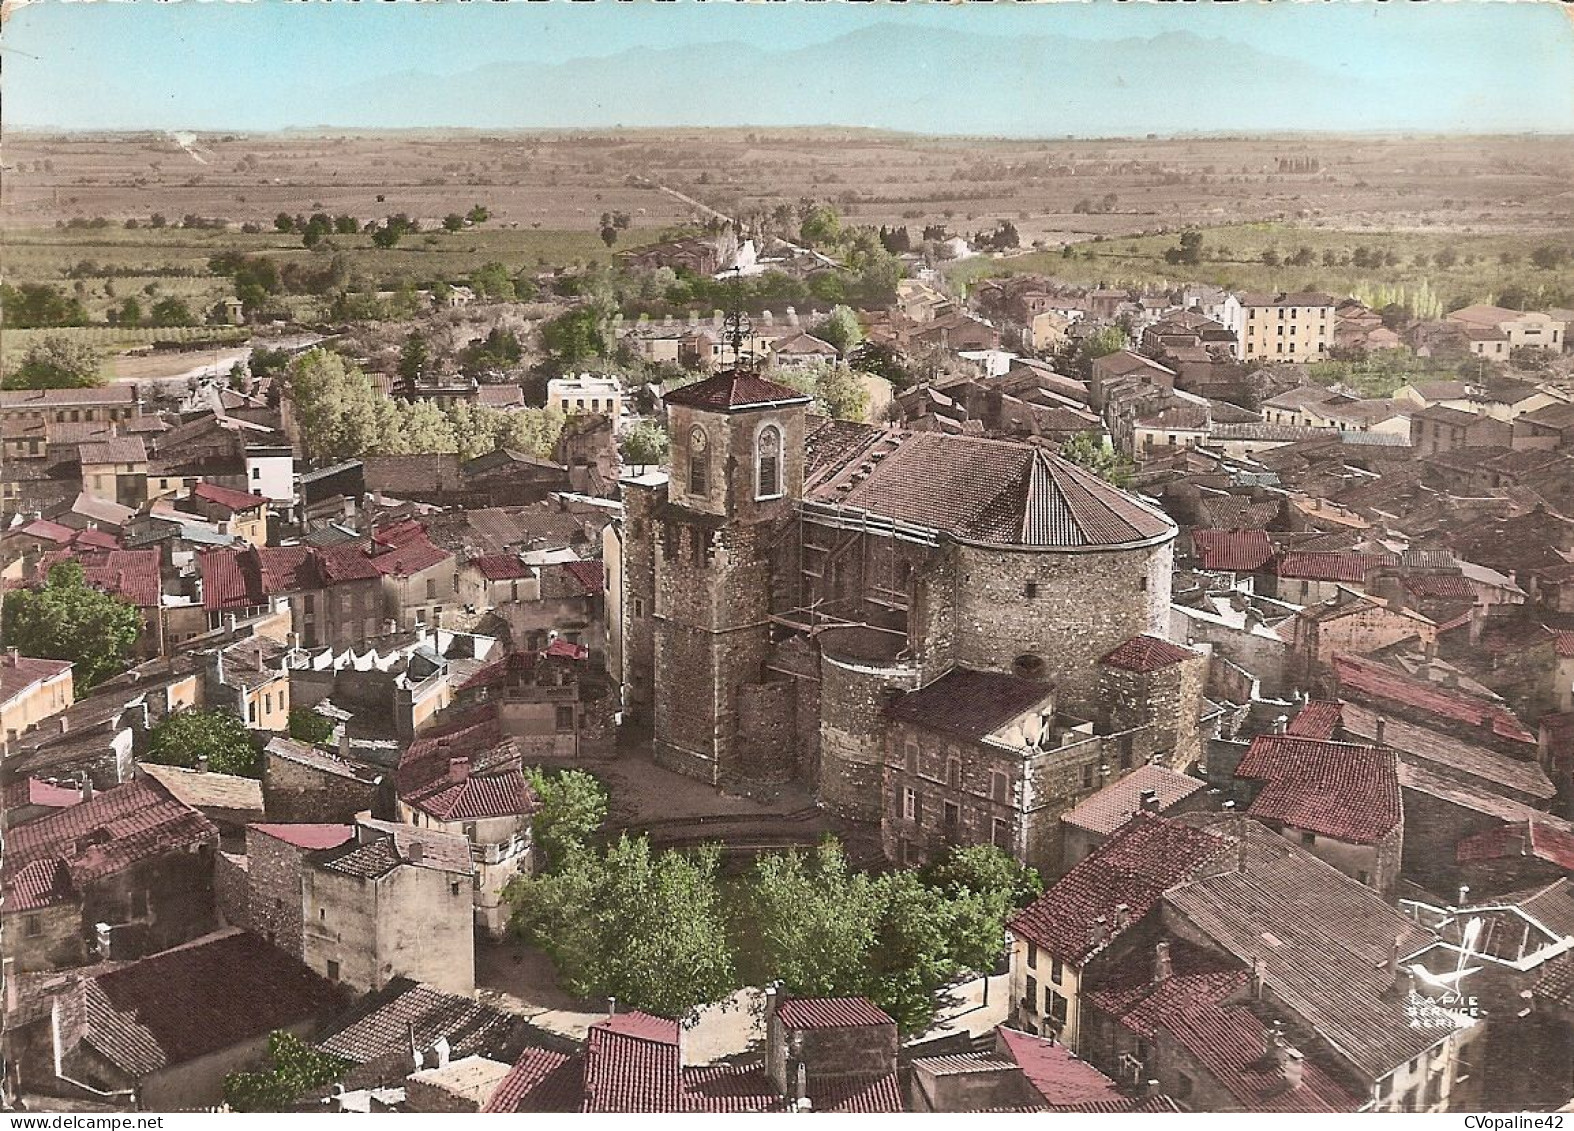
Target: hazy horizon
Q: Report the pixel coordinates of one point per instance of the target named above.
(1084, 70)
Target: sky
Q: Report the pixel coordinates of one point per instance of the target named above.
(1468, 65)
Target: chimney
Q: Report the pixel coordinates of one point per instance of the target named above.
(11, 656)
(459, 769)
(1098, 932)
(1122, 916)
(230, 623)
(1280, 723)
(1148, 801)
(1451, 679)
(65, 724)
(1259, 972)
(1464, 895)
(1430, 651)
(1291, 1065)
(416, 852)
(1393, 957)
(801, 1087)
(1382, 725)
(1162, 968)
(202, 763)
(612, 1007)
(344, 741)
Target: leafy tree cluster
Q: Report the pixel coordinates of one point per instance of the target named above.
(645, 444)
(576, 336)
(570, 806)
(1188, 251)
(294, 1068)
(200, 736)
(1003, 237)
(613, 223)
(394, 229)
(1104, 204)
(498, 352)
(657, 931)
(309, 726)
(836, 389)
(1092, 451)
(57, 362)
(67, 619)
(839, 328)
(39, 305)
(342, 415)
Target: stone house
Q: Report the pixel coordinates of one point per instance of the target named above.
(115, 468)
(1147, 789)
(301, 782)
(466, 781)
(335, 594)
(1287, 326)
(162, 1033)
(238, 513)
(1440, 429)
(393, 901)
(31, 691)
(1350, 622)
(126, 872)
(420, 583)
(276, 858)
(251, 678)
(61, 406)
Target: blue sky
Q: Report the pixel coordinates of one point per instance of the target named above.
(142, 64)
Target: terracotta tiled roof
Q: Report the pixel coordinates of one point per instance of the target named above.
(1329, 566)
(633, 1064)
(1517, 777)
(969, 703)
(1147, 856)
(501, 567)
(993, 492)
(1318, 719)
(541, 1080)
(227, 497)
(308, 836)
(830, 1013)
(108, 834)
(1372, 680)
(1115, 804)
(115, 449)
(1522, 838)
(133, 575)
(1240, 551)
(1055, 1073)
(47, 531)
(1335, 789)
(23, 672)
(857, 1095)
(200, 999)
(590, 576)
(465, 775)
(1440, 587)
(734, 389)
(730, 1088)
(1563, 643)
(383, 1022)
(1147, 654)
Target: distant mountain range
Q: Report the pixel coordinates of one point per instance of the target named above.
(889, 77)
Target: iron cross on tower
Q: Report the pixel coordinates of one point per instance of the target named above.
(737, 327)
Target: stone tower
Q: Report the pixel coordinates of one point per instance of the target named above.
(737, 474)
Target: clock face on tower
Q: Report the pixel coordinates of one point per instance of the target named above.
(698, 439)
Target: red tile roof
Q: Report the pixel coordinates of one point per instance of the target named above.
(1373, 680)
(1440, 587)
(1327, 565)
(1147, 856)
(1115, 804)
(541, 1081)
(411, 552)
(108, 834)
(857, 1095)
(1563, 643)
(200, 999)
(1318, 719)
(500, 567)
(730, 1088)
(1521, 838)
(633, 1064)
(969, 703)
(1233, 1044)
(590, 575)
(1335, 789)
(23, 672)
(227, 497)
(1147, 654)
(734, 389)
(48, 531)
(1056, 1073)
(134, 575)
(243, 578)
(308, 836)
(465, 775)
(1238, 551)
(830, 1013)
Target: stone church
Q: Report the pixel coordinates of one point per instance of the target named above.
(793, 579)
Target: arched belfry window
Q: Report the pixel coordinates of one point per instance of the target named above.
(768, 463)
(699, 462)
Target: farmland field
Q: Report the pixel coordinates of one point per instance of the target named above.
(1479, 266)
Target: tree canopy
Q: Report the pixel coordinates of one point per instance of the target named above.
(66, 619)
(294, 1068)
(571, 806)
(837, 390)
(840, 328)
(645, 927)
(57, 362)
(205, 736)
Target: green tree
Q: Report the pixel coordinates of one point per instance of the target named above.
(56, 363)
(309, 726)
(1093, 451)
(491, 280)
(294, 1068)
(983, 869)
(881, 360)
(837, 390)
(570, 806)
(66, 619)
(645, 444)
(414, 358)
(284, 222)
(575, 336)
(215, 738)
(478, 214)
(453, 222)
(810, 921)
(644, 927)
(821, 227)
(914, 958)
(171, 311)
(840, 328)
(1103, 342)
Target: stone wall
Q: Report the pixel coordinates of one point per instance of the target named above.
(854, 693)
(767, 714)
(275, 891)
(232, 889)
(638, 604)
(292, 792)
